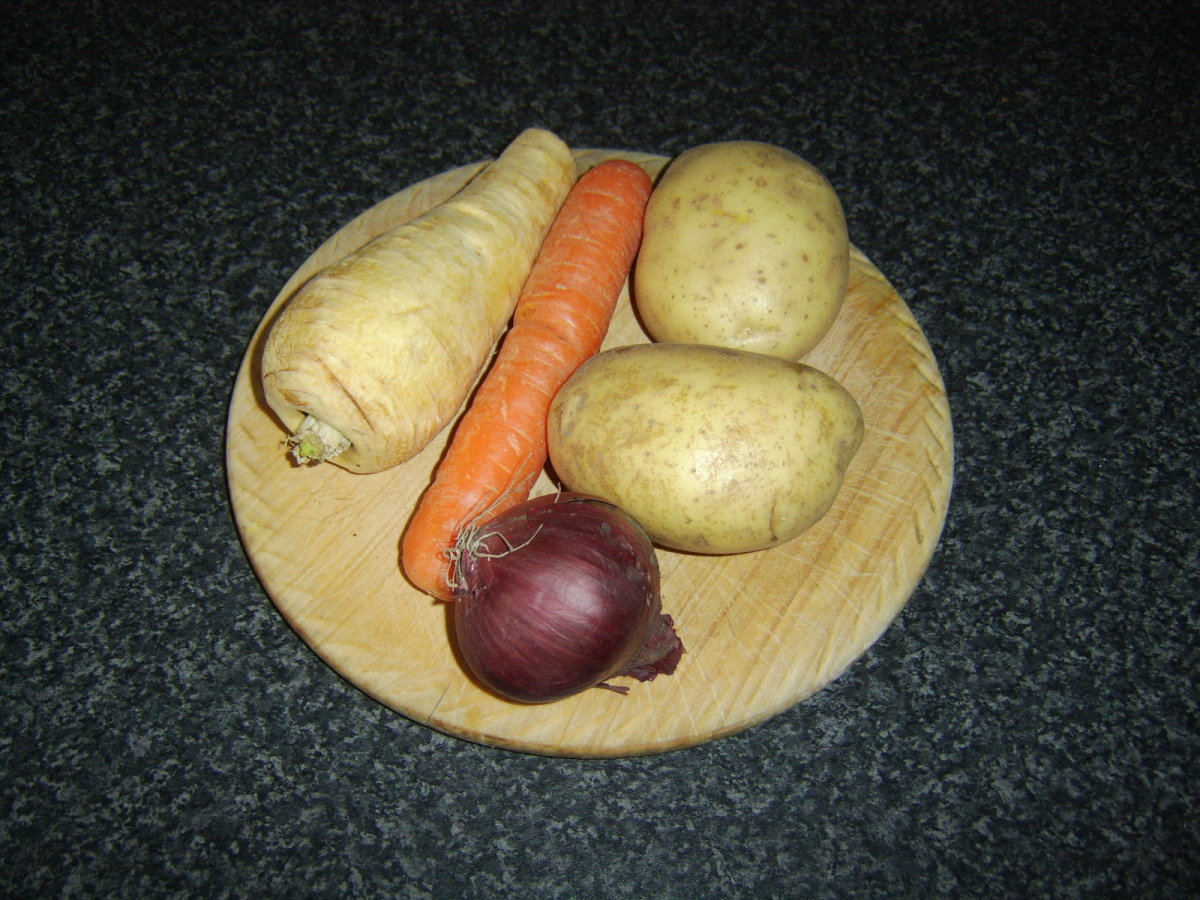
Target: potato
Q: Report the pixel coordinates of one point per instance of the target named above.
(745, 246)
(712, 450)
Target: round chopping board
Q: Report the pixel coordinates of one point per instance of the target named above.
(762, 630)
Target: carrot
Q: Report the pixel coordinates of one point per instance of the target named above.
(499, 447)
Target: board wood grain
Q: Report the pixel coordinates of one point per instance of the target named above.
(763, 631)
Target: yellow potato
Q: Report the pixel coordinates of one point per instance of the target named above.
(712, 450)
(745, 246)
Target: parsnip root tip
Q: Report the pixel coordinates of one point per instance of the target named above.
(316, 441)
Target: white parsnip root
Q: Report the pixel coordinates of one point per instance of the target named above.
(317, 441)
(372, 358)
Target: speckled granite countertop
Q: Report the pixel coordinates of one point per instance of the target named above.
(1026, 178)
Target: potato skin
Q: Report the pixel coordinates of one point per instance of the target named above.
(745, 246)
(712, 450)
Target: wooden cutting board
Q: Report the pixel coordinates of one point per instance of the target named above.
(762, 630)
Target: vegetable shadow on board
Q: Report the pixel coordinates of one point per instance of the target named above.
(633, 304)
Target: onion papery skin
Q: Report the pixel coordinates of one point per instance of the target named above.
(556, 595)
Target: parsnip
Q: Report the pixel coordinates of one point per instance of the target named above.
(372, 358)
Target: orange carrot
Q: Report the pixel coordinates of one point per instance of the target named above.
(499, 447)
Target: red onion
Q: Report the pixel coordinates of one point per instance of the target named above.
(558, 594)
